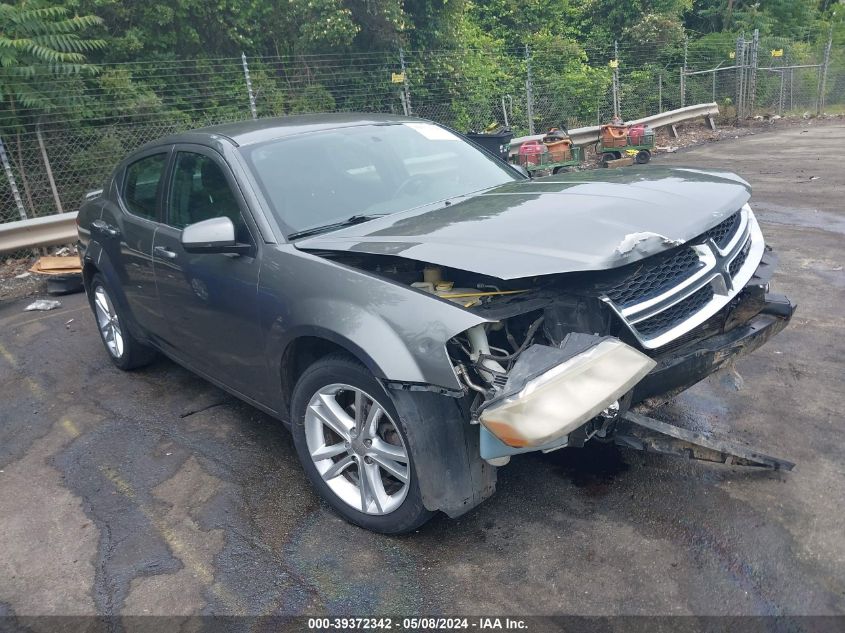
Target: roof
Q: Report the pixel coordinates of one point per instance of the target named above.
(257, 131)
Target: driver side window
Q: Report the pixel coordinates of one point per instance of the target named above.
(200, 191)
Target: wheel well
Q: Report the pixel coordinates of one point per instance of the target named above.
(88, 272)
(301, 354)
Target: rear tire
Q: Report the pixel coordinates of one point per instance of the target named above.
(607, 157)
(123, 349)
(643, 156)
(349, 438)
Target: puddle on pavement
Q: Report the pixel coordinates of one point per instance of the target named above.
(592, 468)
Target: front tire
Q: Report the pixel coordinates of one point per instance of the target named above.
(352, 446)
(123, 349)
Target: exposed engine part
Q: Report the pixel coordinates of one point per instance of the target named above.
(434, 283)
(463, 374)
(480, 351)
(532, 329)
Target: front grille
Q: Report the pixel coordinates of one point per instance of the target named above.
(739, 260)
(653, 280)
(723, 232)
(640, 296)
(670, 317)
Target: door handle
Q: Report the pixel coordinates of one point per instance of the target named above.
(105, 228)
(162, 251)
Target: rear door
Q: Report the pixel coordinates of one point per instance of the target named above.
(126, 232)
(210, 300)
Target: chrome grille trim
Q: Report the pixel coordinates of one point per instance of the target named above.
(717, 262)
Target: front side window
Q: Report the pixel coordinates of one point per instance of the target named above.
(314, 180)
(141, 186)
(200, 191)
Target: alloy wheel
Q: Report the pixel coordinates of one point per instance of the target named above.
(108, 322)
(357, 449)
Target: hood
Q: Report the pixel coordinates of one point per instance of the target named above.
(592, 220)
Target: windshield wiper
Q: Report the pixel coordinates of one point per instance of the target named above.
(315, 230)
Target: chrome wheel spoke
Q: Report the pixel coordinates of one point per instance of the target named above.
(359, 410)
(329, 451)
(372, 488)
(390, 452)
(102, 314)
(338, 467)
(331, 415)
(100, 302)
(371, 423)
(118, 340)
(396, 469)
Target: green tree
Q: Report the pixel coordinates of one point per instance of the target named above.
(38, 42)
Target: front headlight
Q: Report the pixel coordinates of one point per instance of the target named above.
(566, 396)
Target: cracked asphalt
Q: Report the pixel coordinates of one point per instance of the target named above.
(153, 492)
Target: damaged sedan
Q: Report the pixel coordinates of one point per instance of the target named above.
(418, 311)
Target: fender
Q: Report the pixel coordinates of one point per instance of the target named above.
(404, 331)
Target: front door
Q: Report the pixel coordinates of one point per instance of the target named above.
(210, 300)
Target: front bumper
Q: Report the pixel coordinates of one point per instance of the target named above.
(680, 370)
(674, 371)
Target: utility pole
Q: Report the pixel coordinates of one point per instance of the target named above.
(660, 92)
(529, 91)
(48, 169)
(684, 75)
(713, 97)
(406, 87)
(617, 102)
(252, 107)
(752, 82)
(11, 178)
(823, 79)
(740, 76)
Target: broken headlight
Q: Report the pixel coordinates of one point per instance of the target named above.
(546, 398)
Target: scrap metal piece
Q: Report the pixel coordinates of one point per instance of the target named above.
(647, 434)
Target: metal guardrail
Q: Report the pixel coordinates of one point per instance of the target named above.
(44, 231)
(588, 135)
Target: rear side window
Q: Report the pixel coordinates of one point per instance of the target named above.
(141, 185)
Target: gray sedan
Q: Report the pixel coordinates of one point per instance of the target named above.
(416, 310)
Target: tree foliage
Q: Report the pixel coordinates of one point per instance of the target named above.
(38, 43)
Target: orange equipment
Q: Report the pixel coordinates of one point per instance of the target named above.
(559, 145)
(614, 135)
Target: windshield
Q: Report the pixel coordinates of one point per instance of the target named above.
(325, 178)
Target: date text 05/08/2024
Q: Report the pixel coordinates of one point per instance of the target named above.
(417, 623)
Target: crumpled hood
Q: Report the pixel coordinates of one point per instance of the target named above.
(585, 221)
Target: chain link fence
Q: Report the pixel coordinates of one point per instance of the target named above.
(51, 157)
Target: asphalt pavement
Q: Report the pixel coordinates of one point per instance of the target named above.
(153, 492)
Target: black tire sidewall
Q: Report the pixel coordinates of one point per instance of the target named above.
(340, 369)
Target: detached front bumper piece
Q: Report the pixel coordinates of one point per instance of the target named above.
(647, 434)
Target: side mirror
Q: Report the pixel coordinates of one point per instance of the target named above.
(216, 235)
